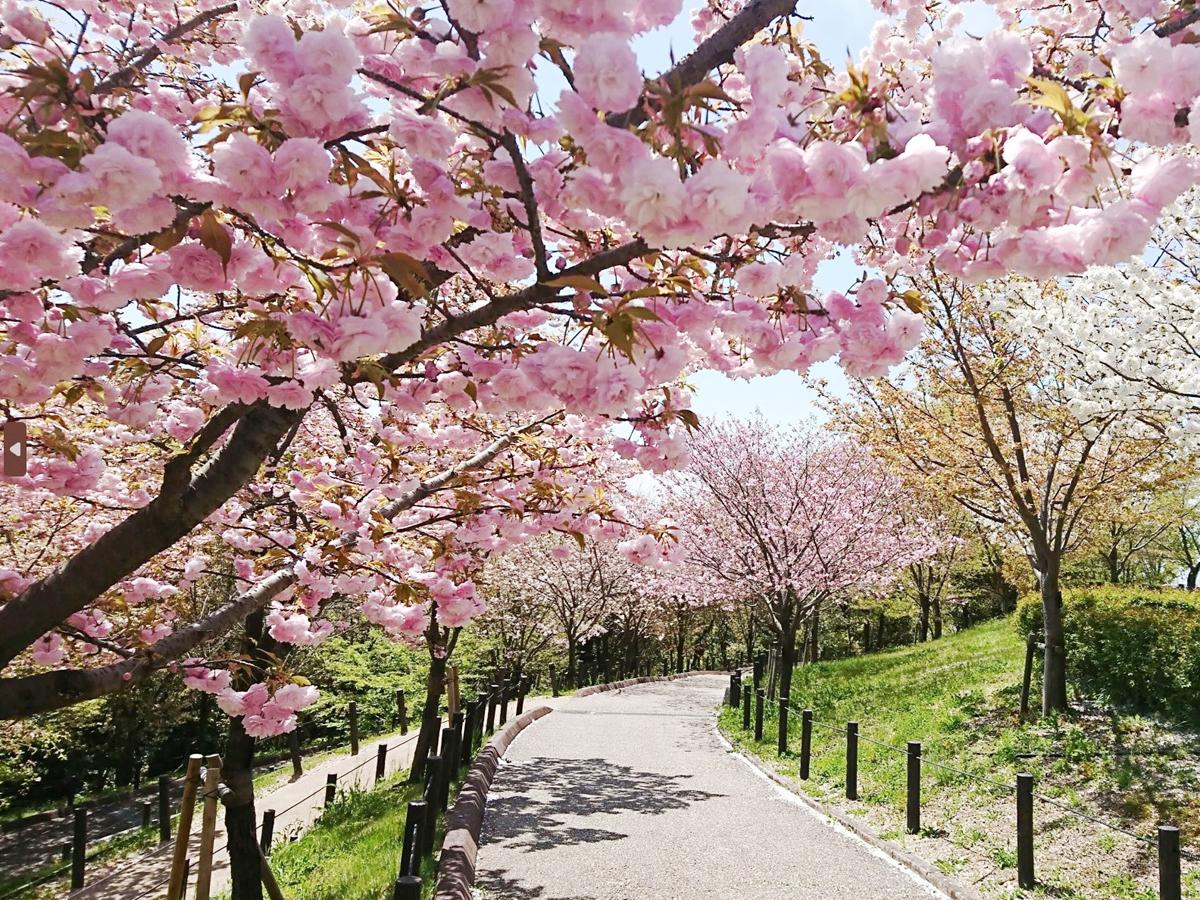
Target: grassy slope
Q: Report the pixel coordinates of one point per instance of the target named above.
(959, 697)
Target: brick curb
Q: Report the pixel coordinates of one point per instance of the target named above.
(868, 835)
(464, 820)
(629, 682)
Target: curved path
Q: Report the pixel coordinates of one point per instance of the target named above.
(633, 794)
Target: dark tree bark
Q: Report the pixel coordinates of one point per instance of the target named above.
(1054, 667)
(937, 618)
(923, 603)
(435, 684)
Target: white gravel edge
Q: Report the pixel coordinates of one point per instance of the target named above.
(809, 807)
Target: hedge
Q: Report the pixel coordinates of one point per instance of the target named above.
(1137, 647)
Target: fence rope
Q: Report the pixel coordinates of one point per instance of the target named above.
(1007, 788)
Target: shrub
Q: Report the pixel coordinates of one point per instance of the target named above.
(1137, 647)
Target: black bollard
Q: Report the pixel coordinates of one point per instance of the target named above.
(1025, 876)
(79, 848)
(851, 760)
(353, 728)
(759, 697)
(746, 707)
(1170, 884)
(410, 848)
(433, 769)
(805, 743)
(913, 806)
(459, 723)
(164, 808)
(491, 710)
(330, 788)
(380, 763)
(504, 691)
(146, 807)
(783, 724)
(401, 711)
(407, 887)
(268, 831)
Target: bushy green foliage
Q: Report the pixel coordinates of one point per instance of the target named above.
(1138, 647)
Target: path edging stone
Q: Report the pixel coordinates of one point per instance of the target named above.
(464, 820)
(630, 682)
(923, 869)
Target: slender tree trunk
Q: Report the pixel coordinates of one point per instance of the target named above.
(294, 752)
(1054, 669)
(937, 617)
(1114, 566)
(431, 717)
(680, 643)
(879, 631)
(237, 771)
(1192, 575)
(923, 618)
(787, 658)
(572, 659)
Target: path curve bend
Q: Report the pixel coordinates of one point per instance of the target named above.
(633, 794)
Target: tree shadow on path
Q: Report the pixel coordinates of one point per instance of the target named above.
(542, 801)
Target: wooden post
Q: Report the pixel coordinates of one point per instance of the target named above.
(851, 760)
(330, 788)
(187, 807)
(164, 808)
(491, 710)
(353, 728)
(453, 697)
(522, 687)
(187, 874)
(759, 697)
(746, 707)
(448, 752)
(760, 663)
(380, 763)
(783, 724)
(410, 848)
(79, 848)
(268, 831)
(407, 887)
(554, 682)
(1025, 876)
(1027, 677)
(469, 728)
(806, 721)
(1170, 885)
(913, 807)
(731, 698)
(208, 826)
(401, 711)
(505, 687)
(146, 816)
(459, 723)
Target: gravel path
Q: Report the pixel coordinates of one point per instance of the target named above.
(633, 794)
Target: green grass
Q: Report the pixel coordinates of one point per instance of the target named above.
(353, 851)
(959, 697)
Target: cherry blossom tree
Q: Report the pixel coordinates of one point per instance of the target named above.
(235, 235)
(792, 517)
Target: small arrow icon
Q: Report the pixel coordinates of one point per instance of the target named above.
(15, 449)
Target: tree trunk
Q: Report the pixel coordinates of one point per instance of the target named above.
(572, 660)
(937, 618)
(431, 717)
(680, 642)
(787, 659)
(1054, 669)
(1114, 566)
(879, 631)
(1192, 575)
(245, 866)
(237, 771)
(294, 752)
(814, 635)
(923, 618)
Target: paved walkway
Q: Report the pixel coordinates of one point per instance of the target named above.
(633, 794)
(297, 805)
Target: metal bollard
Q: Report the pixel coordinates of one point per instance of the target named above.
(759, 697)
(79, 848)
(407, 887)
(330, 788)
(1170, 884)
(913, 806)
(164, 808)
(805, 743)
(1025, 876)
(851, 760)
(746, 708)
(268, 831)
(783, 724)
(381, 763)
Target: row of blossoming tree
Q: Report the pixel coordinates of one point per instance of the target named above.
(334, 299)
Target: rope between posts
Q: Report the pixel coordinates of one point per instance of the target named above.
(1007, 788)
